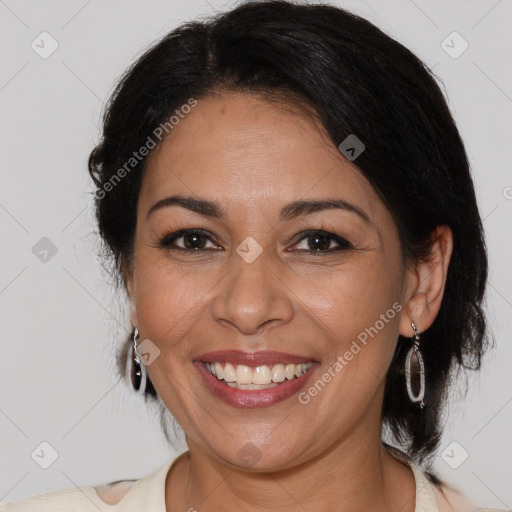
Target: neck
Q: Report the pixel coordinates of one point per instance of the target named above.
(355, 475)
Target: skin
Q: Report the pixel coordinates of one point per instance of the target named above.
(253, 157)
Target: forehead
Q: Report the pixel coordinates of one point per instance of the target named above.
(244, 151)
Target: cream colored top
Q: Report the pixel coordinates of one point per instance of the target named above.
(148, 495)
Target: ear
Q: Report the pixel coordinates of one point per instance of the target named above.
(425, 283)
(129, 282)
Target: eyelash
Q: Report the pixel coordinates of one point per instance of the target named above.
(166, 241)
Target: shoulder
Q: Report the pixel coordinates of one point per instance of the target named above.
(450, 499)
(83, 499)
(146, 493)
(59, 501)
(113, 493)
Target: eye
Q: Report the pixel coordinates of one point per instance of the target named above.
(193, 240)
(196, 240)
(321, 241)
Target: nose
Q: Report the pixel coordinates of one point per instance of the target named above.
(253, 296)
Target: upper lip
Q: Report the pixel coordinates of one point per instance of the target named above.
(252, 359)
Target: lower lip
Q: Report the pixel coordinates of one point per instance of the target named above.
(252, 398)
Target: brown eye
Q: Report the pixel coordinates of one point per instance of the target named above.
(321, 241)
(193, 240)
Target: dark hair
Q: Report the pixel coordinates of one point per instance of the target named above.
(359, 81)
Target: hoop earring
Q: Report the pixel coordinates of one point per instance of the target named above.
(414, 356)
(136, 370)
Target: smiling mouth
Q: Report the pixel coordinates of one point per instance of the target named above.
(260, 377)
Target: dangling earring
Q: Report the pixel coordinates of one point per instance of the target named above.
(414, 357)
(136, 370)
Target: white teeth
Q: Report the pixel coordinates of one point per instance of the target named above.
(243, 374)
(261, 377)
(289, 371)
(229, 373)
(219, 371)
(251, 386)
(278, 373)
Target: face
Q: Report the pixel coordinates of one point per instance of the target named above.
(275, 285)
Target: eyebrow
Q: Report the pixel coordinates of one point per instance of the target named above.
(288, 212)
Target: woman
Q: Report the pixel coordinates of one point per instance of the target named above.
(289, 207)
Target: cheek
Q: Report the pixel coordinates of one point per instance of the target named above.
(359, 309)
(167, 299)
(349, 299)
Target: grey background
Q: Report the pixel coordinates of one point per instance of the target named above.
(60, 319)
